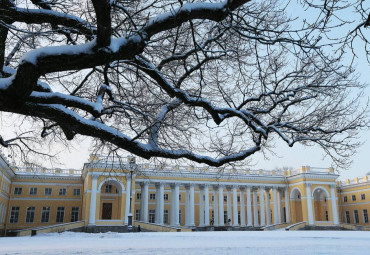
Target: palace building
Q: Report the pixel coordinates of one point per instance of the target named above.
(176, 197)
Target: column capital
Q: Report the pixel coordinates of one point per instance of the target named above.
(308, 184)
(333, 185)
(267, 189)
(95, 176)
(254, 188)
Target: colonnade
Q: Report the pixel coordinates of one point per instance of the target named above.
(257, 213)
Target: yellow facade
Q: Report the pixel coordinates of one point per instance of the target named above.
(99, 195)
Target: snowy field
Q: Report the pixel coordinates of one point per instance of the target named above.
(272, 242)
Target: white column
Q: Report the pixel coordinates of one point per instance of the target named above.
(206, 205)
(94, 187)
(177, 205)
(215, 206)
(280, 208)
(255, 208)
(201, 206)
(249, 208)
(173, 205)
(228, 202)
(157, 202)
(287, 205)
(334, 205)
(144, 198)
(262, 206)
(309, 204)
(221, 206)
(187, 205)
(242, 207)
(191, 207)
(268, 207)
(276, 215)
(161, 203)
(235, 207)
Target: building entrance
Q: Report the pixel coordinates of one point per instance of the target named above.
(107, 211)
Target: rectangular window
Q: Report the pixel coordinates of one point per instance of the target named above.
(62, 192)
(284, 214)
(77, 192)
(108, 188)
(238, 199)
(165, 196)
(180, 216)
(180, 197)
(152, 196)
(355, 212)
(165, 216)
(362, 196)
(14, 214)
(60, 214)
(33, 191)
(137, 214)
(326, 216)
(348, 218)
(48, 191)
(17, 191)
(225, 198)
(30, 214)
(225, 217)
(151, 216)
(239, 222)
(353, 197)
(138, 196)
(258, 199)
(345, 199)
(45, 214)
(75, 213)
(213, 198)
(366, 216)
(269, 196)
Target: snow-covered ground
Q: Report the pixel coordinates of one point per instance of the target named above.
(271, 242)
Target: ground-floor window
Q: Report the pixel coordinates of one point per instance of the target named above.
(348, 218)
(137, 213)
(14, 214)
(60, 214)
(151, 216)
(366, 216)
(284, 213)
(180, 216)
(326, 216)
(355, 213)
(225, 217)
(165, 216)
(74, 214)
(45, 214)
(239, 222)
(30, 214)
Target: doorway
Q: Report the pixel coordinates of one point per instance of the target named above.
(107, 211)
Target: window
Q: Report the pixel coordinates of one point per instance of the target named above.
(238, 199)
(138, 196)
(355, 213)
(366, 216)
(17, 191)
(165, 217)
(345, 199)
(284, 213)
(108, 188)
(152, 196)
(269, 196)
(33, 191)
(60, 214)
(225, 198)
(225, 217)
(47, 191)
(151, 216)
(62, 192)
(180, 216)
(30, 214)
(165, 196)
(213, 198)
(76, 192)
(239, 222)
(45, 214)
(258, 199)
(326, 216)
(137, 214)
(362, 196)
(353, 197)
(180, 197)
(74, 214)
(348, 219)
(14, 214)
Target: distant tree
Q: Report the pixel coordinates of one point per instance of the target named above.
(212, 82)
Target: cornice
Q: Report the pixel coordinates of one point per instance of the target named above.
(48, 177)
